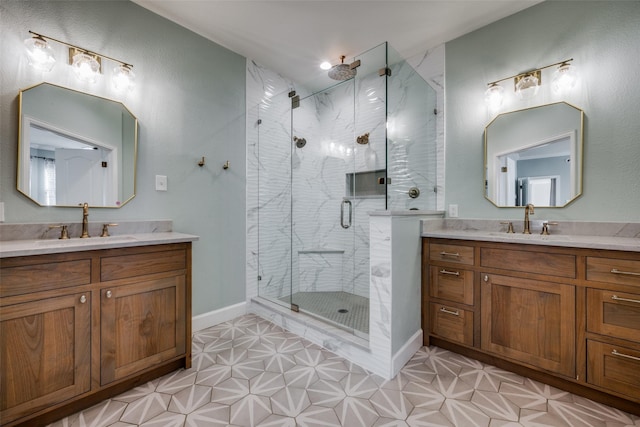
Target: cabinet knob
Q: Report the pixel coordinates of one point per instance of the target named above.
(108, 294)
(83, 299)
(485, 278)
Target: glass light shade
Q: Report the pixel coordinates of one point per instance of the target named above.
(564, 78)
(86, 67)
(527, 87)
(123, 77)
(493, 96)
(325, 65)
(40, 54)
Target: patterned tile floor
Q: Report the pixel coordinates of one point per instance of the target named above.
(249, 372)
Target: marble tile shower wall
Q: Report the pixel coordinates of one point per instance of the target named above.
(319, 171)
(319, 168)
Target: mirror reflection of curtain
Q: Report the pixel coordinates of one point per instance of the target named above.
(43, 180)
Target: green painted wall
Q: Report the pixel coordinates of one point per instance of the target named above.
(603, 38)
(190, 102)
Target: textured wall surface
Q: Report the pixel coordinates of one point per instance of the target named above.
(190, 102)
(602, 37)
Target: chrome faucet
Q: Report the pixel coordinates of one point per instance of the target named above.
(528, 210)
(85, 221)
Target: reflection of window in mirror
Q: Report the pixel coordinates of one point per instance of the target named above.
(42, 173)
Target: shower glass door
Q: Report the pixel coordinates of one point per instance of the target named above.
(338, 175)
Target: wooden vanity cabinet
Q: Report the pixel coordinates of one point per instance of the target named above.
(613, 323)
(451, 291)
(141, 325)
(530, 321)
(79, 327)
(566, 316)
(46, 353)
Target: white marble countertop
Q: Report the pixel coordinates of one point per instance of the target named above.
(574, 241)
(621, 236)
(14, 248)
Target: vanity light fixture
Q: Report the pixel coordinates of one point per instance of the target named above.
(564, 78)
(123, 77)
(87, 65)
(493, 96)
(526, 85)
(39, 52)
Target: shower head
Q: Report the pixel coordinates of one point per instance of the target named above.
(342, 71)
(300, 142)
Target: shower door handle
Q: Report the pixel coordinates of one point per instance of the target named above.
(342, 223)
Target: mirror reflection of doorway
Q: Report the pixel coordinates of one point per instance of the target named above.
(67, 170)
(544, 170)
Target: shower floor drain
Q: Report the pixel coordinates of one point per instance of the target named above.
(343, 310)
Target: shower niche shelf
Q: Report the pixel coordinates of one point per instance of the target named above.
(366, 185)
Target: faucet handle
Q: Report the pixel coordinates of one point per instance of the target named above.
(510, 229)
(105, 229)
(545, 227)
(64, 232)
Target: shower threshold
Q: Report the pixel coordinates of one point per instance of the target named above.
(341, 309)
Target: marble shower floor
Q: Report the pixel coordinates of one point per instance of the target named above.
(250, 372)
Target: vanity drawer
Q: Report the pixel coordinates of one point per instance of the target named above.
(452, 323)
(615, 368)
(451, 284)
(55, 274)
(549, 264)
(457, 254)
(613, 270)
(134, 265)
(613, 313)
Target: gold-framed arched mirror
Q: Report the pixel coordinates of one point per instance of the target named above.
(74, 147)
(534, 156)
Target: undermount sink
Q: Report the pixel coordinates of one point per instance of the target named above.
(85, 242)
(533, 236)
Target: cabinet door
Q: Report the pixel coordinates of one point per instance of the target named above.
(45, 349)
(142, 325)
(529, 321)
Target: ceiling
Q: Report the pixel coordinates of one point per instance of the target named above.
(293, 37)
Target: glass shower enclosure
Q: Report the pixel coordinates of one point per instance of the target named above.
(326, 159)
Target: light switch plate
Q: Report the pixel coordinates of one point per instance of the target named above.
(161, 183)
(453, 211)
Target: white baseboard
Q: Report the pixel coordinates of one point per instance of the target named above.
(212, 318)
(407, 351)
